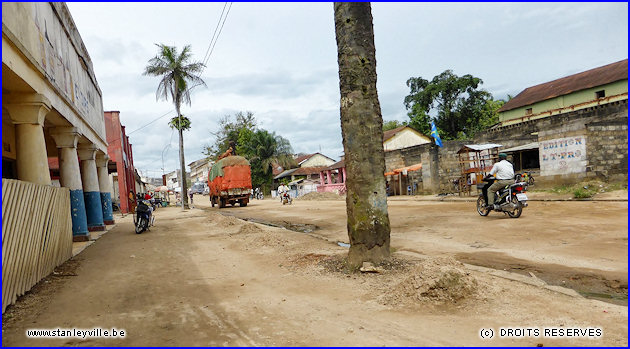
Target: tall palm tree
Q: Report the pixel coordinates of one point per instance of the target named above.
(177, 74)
(362, 130)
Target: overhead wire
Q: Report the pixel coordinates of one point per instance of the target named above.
(211, 46)
(217, 37)
(208, 54)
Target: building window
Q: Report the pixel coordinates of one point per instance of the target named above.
(528, 111)
(600, 94)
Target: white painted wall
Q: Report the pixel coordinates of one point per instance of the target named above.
(317, 160)
(562, 155)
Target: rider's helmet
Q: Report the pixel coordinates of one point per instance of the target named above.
(502, 156)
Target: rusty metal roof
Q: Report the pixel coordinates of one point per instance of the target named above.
(572, 83)
(391, 133)
(337, 165)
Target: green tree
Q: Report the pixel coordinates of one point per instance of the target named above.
(392, 124)
(230, 128)
(362, 131)
(177, 73)
(456, 104)
(264, 151)
(180, 122)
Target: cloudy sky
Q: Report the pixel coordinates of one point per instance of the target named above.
(279, 60)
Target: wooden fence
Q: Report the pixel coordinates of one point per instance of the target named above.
(36, 235)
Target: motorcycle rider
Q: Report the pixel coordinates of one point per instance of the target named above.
(281, 190)
(504, 173)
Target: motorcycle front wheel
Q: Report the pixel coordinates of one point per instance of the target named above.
(518, 210)
(481, 207)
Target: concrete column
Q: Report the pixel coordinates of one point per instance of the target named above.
(66, 139)
(105, 187)
(321, 177)
(328, 177)
(27, 111)
(91, 190)
(343, 172)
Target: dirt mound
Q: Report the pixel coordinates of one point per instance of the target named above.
(439, 280)
(321, 196)
(249, 228)
(225, 221)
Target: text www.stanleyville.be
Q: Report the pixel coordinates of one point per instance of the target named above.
(76, 333)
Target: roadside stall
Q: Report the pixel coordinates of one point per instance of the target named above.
(475, 161)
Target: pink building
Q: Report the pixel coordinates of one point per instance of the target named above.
(333, 178)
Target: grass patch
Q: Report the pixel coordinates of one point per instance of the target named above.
(583, 193)
(587, 189)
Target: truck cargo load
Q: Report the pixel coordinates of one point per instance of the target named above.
(230, 181)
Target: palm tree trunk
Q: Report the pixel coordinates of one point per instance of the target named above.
(182, 163)
(362, 130)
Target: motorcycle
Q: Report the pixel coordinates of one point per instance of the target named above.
(144, 217)
(257, 194)
(286, 198)
(511, 199)
(525, 177)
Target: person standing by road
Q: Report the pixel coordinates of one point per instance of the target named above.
(132, 202)
(504, 173)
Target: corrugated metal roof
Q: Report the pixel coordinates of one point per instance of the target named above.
(303, 158)
(309, 170)
(391, 133)
(336, 165)
(285, 173)
(572, 83)
(479, 147)
(528, 146)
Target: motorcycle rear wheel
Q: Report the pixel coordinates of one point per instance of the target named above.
(518, 210)
(140, 225)
(481, 207)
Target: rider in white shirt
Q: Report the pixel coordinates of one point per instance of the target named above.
(281, 190)
(504, 173)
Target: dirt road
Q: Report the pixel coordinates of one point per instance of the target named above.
(201, 278)
(563, 242)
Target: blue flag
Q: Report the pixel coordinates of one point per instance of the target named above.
(434, 134)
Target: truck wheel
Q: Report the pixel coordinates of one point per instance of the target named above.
(242, 202)
(221, 202)
(212, 201)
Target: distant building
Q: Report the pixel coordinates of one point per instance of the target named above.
(121, 169)
(569, 128)
(403, 137)
(587, 89)
(305, 177)
(199, 169)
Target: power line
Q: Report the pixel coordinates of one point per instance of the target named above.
(206, 56)
(220, 30)
(138, 129)
(214, 39)
(213, 42)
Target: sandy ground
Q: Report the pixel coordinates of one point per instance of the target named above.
(201, 278)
